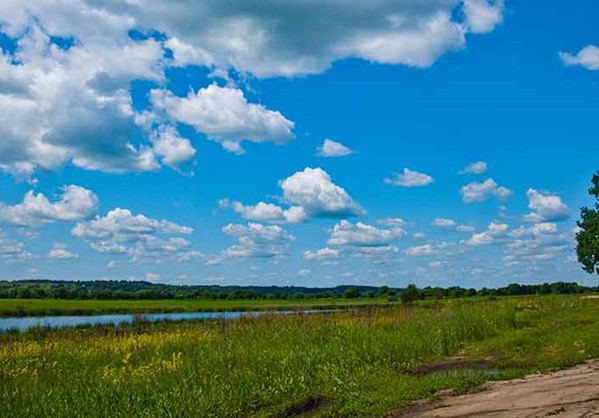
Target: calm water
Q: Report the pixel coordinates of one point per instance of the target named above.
(24, 323)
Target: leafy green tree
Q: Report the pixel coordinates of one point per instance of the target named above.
(351, 292)
(410, 294)
(587, 237)
(383, 290)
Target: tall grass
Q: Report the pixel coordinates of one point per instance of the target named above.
(45, 307)
(350, 364)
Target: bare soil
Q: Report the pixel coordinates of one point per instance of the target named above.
(570, 393)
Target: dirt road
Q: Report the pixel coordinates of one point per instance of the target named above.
(568, 393)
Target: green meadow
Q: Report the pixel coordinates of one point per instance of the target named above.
(362, 362)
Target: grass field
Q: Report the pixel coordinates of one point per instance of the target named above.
(39, 307)
(356, 363)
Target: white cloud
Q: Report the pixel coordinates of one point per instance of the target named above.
(482, 16)
(536, 229)
(478, 192)
(324, 254)
(392, 222)
(74, 203)
(330, 148)
(492, 235)
(421, 250)
(225, 116)
(410, 178)
(266, 212)
(313, 190)
(257, 241)
(60, 105)
(13, 252)
(271, 41)
(540, 242)
(312, 193)
(65, 93)
(362, 235)
(121, 232)
(478, 167)
(419, 235)
(436, 264)
(123, 225)
(171, 148)
(60, 252)
(545, 207)
(152, 249)
(464, 228)
(588, 57)
(443, 223)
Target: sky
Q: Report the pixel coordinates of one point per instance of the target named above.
(310, 143)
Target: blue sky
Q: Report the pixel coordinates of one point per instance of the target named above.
(136, 143)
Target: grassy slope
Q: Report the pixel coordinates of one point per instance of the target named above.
(348, 364)
(37, 307)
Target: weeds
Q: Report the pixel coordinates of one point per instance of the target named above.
(355, 363)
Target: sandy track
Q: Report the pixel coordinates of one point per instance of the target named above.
(568, 393)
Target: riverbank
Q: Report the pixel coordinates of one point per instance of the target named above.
(53, 307)
(363, 362)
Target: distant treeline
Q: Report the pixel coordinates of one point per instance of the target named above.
(100, 289)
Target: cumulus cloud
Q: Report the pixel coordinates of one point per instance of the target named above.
(323, 254)
(60, 105)
(545, 207)
(60, 252)
(13, 252)
(140, 237)
(478, 192)
(535, 230)
(443, 223)
(257, 241)
(494, 233)
(540, 242)
(588, 57)
(330, 148)
(74, 203)
(314, 190)
(311, 193)
(395, 223)
(410, 178)
(123, 225)
(171, 148)
(65, 86)
(271, 41)
(378, 254)
(482, 16)
(266, 212)
(362, 235)
(421, 250)
(224, 115)
(478, 167)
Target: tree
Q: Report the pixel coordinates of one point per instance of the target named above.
(351, 292)
(410, 294)
(587, 237)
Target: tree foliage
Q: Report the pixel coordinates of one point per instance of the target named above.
(587, 237)
(410, 294)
